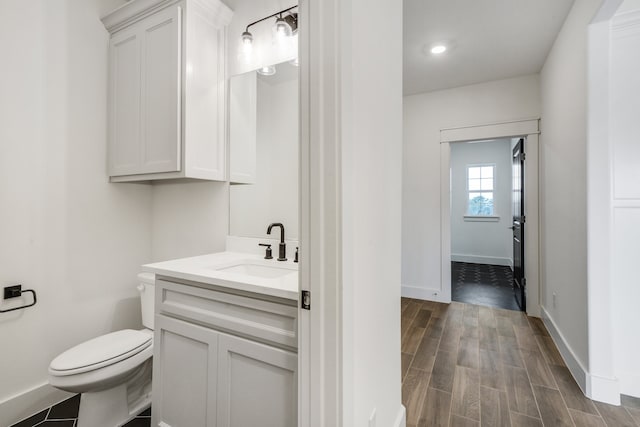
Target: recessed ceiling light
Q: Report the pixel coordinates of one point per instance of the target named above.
(438, 49)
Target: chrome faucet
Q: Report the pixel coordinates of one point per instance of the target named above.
(282, 247)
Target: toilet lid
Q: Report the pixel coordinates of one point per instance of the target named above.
(102, 351)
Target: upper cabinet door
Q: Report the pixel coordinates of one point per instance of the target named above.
(145, 108)
(161, 88)
(124, 114)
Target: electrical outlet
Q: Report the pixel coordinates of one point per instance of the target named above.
(372, 418)
(554, 300)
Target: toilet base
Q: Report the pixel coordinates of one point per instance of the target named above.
(118, 405)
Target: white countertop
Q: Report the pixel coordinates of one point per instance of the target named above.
(210, 269)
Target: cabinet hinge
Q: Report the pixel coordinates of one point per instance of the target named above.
(524, 219)
(305, 300)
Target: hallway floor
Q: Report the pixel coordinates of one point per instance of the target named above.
(483, 284)
(469, 365)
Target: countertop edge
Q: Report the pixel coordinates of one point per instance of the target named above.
(246, 287)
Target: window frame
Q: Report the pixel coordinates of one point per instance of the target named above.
(484, 218)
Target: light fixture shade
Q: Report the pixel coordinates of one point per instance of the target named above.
(292, 20)
(268, 70)
(282, 27)
(247, 41)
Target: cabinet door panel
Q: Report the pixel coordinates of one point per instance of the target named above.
(161, 65)
(257, 384)
(204, 96)
(184, 382)
(124, 114)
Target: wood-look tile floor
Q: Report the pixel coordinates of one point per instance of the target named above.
(469, 365)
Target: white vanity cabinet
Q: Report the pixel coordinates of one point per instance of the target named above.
(223, 358)
(167, 90)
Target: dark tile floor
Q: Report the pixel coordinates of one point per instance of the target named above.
(482, 284)
(65, 414)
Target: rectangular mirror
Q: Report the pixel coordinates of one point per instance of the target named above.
(263, 151)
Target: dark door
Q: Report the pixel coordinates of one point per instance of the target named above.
(519, 282)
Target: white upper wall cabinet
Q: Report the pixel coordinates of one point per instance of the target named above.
(167, 90)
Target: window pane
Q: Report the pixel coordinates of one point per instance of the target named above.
(474, 172)
(474, 184)
(481, 203)
(487, 184)
(487, 172)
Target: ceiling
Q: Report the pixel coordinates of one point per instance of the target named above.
(488, 39)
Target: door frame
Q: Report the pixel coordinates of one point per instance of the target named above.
(530, 130)
(320, 329)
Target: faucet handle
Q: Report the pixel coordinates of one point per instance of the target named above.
(268, 252)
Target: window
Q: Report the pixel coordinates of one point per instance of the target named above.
(480, 184)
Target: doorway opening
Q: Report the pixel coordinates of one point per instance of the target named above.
(486, 193)
(484, 207)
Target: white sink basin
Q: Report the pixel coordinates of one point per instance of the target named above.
(257, 270)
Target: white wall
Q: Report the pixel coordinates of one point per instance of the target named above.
(424, 116)
(66, 232)
(625, 194)
(628, 6)
(371, 156)
(265, 51)
(274, 196)
(563, 182)
(484, 242)
(188, 219)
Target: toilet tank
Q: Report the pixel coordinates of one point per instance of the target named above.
(146, 286)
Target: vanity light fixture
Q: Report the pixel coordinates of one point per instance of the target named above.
(286, 25)
(269, 70)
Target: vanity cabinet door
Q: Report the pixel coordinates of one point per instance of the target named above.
(257, 384)
(184, 374)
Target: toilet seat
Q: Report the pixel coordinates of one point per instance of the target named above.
(101, 352)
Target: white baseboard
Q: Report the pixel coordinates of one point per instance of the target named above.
(603, 389)
(575, 366)
(428, 294)
(401, 419)
(30, 402)
(629, 384)
(594, 387)
(479, 259)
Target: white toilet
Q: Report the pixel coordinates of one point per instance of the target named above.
(112, 372)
